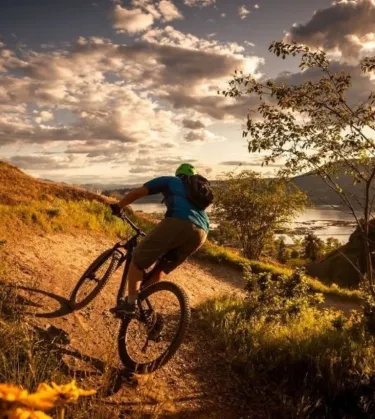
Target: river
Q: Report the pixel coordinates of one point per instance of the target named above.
(324, 221)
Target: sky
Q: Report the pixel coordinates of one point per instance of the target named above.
(122, 91)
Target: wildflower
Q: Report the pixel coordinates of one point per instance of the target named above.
(17, 403)
(20, 413)
(12, 393)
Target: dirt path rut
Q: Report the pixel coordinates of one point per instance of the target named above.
(196, 383)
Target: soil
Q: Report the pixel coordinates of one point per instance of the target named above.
(196, 383)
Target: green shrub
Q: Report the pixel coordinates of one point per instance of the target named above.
(220, 254)
(294, 359)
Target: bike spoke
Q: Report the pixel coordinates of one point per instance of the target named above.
(93, 280)
(148, 340)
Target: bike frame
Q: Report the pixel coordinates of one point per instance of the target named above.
(129, 247)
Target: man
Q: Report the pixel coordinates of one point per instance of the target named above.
(184, 228)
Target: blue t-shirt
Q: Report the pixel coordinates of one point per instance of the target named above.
(175, 198)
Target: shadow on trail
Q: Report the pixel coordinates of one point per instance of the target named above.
(57, 340)
(63, 309)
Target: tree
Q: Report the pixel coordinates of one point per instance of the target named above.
(255, 207)
(314, 128)
(314, 247)
(282, 254)
(332, 244)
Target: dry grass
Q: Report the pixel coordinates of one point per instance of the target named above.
(16, 187)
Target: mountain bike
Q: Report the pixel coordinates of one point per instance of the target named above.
(148, 340)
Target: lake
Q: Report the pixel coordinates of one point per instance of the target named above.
(324, 221)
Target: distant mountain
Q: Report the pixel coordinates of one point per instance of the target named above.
(315, 188)
(320, 193)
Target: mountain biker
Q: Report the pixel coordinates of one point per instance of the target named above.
(183, 230)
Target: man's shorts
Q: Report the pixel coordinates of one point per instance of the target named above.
(181, 236)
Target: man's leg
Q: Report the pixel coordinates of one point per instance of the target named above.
(135, 277)
(157, 276)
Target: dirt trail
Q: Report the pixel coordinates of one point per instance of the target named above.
(195, 383)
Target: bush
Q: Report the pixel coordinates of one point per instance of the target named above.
(220, 254)
(296, 361)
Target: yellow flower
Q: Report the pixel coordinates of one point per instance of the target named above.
(20, 413)
(12, 393)
(46, 397)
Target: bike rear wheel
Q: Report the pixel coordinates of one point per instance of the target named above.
(146, 346)
(94, 279)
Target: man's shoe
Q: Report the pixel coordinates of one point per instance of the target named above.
(125, 309)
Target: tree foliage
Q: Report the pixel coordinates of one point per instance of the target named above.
(314, 127)
(255, 207)
(313, 246)
(282, 251)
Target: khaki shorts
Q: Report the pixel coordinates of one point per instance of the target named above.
(181, 236)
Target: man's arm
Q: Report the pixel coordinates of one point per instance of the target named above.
(133, 195)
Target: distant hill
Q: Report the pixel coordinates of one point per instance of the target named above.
(320, 193)
(16, 187)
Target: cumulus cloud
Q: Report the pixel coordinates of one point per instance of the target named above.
(202, 135)
(199, 3)
(347, 26)
(120, 101)
(43, 116)
(192, 124)
(243, 12)
(142, 15)
(131, 20)
(169, 11)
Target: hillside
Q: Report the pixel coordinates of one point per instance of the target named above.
(60, 231)
(16, 187)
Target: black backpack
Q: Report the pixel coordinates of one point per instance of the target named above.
(198, 191)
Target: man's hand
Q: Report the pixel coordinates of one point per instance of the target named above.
(116, 210)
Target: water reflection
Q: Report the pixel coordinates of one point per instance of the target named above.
(324, 221)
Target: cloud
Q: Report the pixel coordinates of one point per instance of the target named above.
(43, 116)
(243, 12)
(142, 15)
(202, 135)
(131, 20)
(199, 3)
(236, 163)
(361, 84)
(347, 26)
(250, 44)
(255, 163)
(119, 101)
(40, 162)
(192, 124)
(169, 11)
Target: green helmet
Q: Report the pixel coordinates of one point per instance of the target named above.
(186, 169)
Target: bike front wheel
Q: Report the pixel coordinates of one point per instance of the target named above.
(148, 341)
(94, 279)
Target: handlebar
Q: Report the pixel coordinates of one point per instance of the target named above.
(132, 225)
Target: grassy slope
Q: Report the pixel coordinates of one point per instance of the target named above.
(18, 188)
(27, 203)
